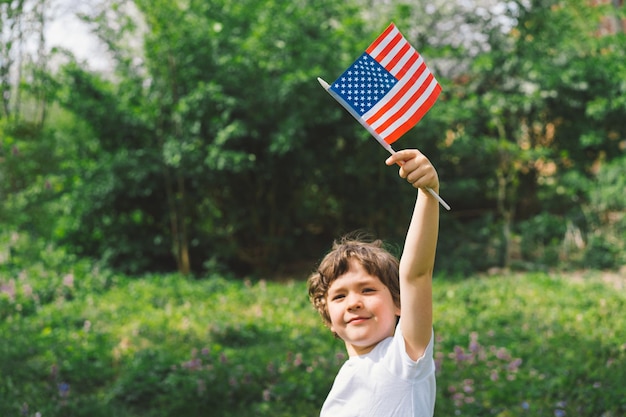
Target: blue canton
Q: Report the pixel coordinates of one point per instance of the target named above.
(364, 84)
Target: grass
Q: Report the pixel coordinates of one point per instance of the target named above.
(81, 342)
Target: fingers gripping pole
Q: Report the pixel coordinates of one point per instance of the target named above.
(430, 190)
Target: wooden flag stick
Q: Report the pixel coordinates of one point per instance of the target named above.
(376, 136)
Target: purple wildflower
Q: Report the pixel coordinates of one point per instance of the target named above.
(64, 389)
(194, 364)
(459, 354)
(8, 289)
(68, 280)
(468, 385)
(514, 365)
(201, 386)
(503, 354)
(474, 346)
(298, 361)
(458, 399)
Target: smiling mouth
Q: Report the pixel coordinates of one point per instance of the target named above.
(357, 320)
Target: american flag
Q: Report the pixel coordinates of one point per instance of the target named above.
(389, 87)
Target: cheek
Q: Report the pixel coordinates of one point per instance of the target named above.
(332, 311)
(334, 317)
(388, 306)
(396, 309)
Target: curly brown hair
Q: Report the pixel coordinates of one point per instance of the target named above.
(375, 259)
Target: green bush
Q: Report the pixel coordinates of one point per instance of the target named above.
(542, 238)
(164, 345)
(529, 345)
(606, 246)
(601, 253)
(473, 248)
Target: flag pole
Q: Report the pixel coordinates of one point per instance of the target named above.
(376, 136)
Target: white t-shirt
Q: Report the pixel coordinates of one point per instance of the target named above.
(383, 383)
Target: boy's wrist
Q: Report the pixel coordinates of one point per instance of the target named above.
(425, 191)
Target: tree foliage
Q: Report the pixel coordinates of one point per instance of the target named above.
(211, 145)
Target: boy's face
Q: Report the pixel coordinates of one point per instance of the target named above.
(361, 310)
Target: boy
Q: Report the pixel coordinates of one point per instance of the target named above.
(360, 291)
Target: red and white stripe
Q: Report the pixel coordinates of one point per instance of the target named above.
(414, 94)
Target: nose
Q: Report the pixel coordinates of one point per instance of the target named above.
(354, 301)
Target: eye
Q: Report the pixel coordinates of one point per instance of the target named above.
(365, 290)
(337, 297)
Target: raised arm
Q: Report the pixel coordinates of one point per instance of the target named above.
(418, 257)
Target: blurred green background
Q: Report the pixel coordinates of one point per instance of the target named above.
(202, 149)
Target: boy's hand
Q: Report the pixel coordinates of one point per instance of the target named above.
(416, 168)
